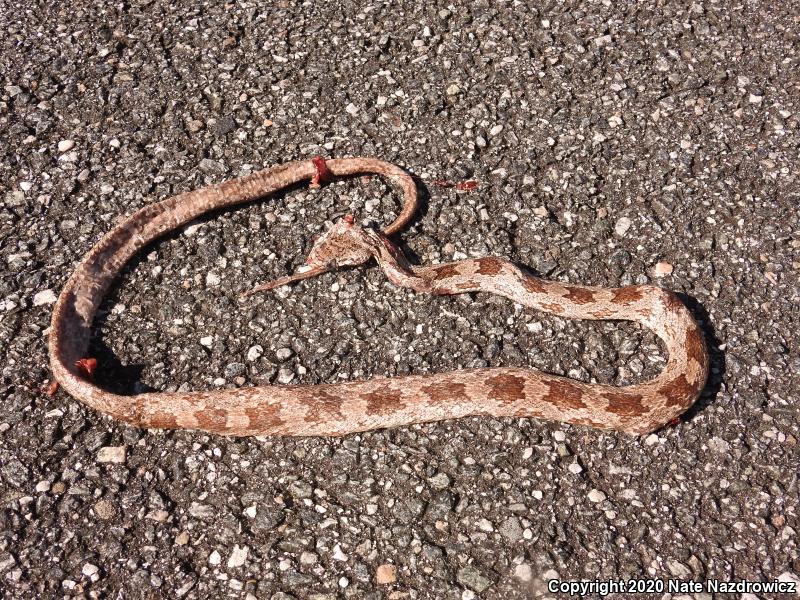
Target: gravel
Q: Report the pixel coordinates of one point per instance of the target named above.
(611, 144)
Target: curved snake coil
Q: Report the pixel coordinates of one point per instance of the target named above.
(342, 408)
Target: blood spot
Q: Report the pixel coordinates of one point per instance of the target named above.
(564, 393)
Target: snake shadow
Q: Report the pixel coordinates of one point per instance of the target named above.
(716, 372)
(126, 379)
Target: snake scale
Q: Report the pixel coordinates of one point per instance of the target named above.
(342, 408)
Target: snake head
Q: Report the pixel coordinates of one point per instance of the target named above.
(344, 244)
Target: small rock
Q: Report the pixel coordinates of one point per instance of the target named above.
(65, 145)
(44, 297)
(472, 578)
(386, 574)
(104, 509)
(214, 558)
(523, 572)
(338, 554)
(352, 109)
(285, 375)
(284, 353)
(439, 481)
(111, 454)
(452, 89)
(575, 468)
(238, 556)
(596, 496)
(254, 353)
(89, 569)
(651, 440)
(511, 529)
(182, 538)
(662, 269)
(496, 130)
(207, 341)
(212, 279)
(622, 226)
(211, 167)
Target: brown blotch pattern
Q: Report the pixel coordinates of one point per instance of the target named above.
(489, 265)
(212, 419)
(695, 346)
(534, 285)
(602, 313)
(445, 271)
(384, 400)
(322, 406)
(579, 295)
(161, 420)
(672, 302)
(678, 392)
(628, 294)
(553, 308)
(466, 285)
(564, 393)
(265, 417)
(625, 404)
(506, 388)
(442, 392)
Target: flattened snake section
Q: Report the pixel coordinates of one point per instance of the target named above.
(342, 408)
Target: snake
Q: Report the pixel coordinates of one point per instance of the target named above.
(335, 409)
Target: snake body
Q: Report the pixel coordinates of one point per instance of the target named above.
(342, 408)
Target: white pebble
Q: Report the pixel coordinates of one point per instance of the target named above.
(25, 185)
(254, 353)
(213, 279)
(214, 558)
(575, 468)
(65, 145)
(559, 436)
(596, 496)
(352, 109)
(44, 297)
(238, 556)
(338, 554)
(622, 226)
(497, 129)
(207, 341)
(89, 569)
(111, 454)
(651, 440)
(523, 572)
